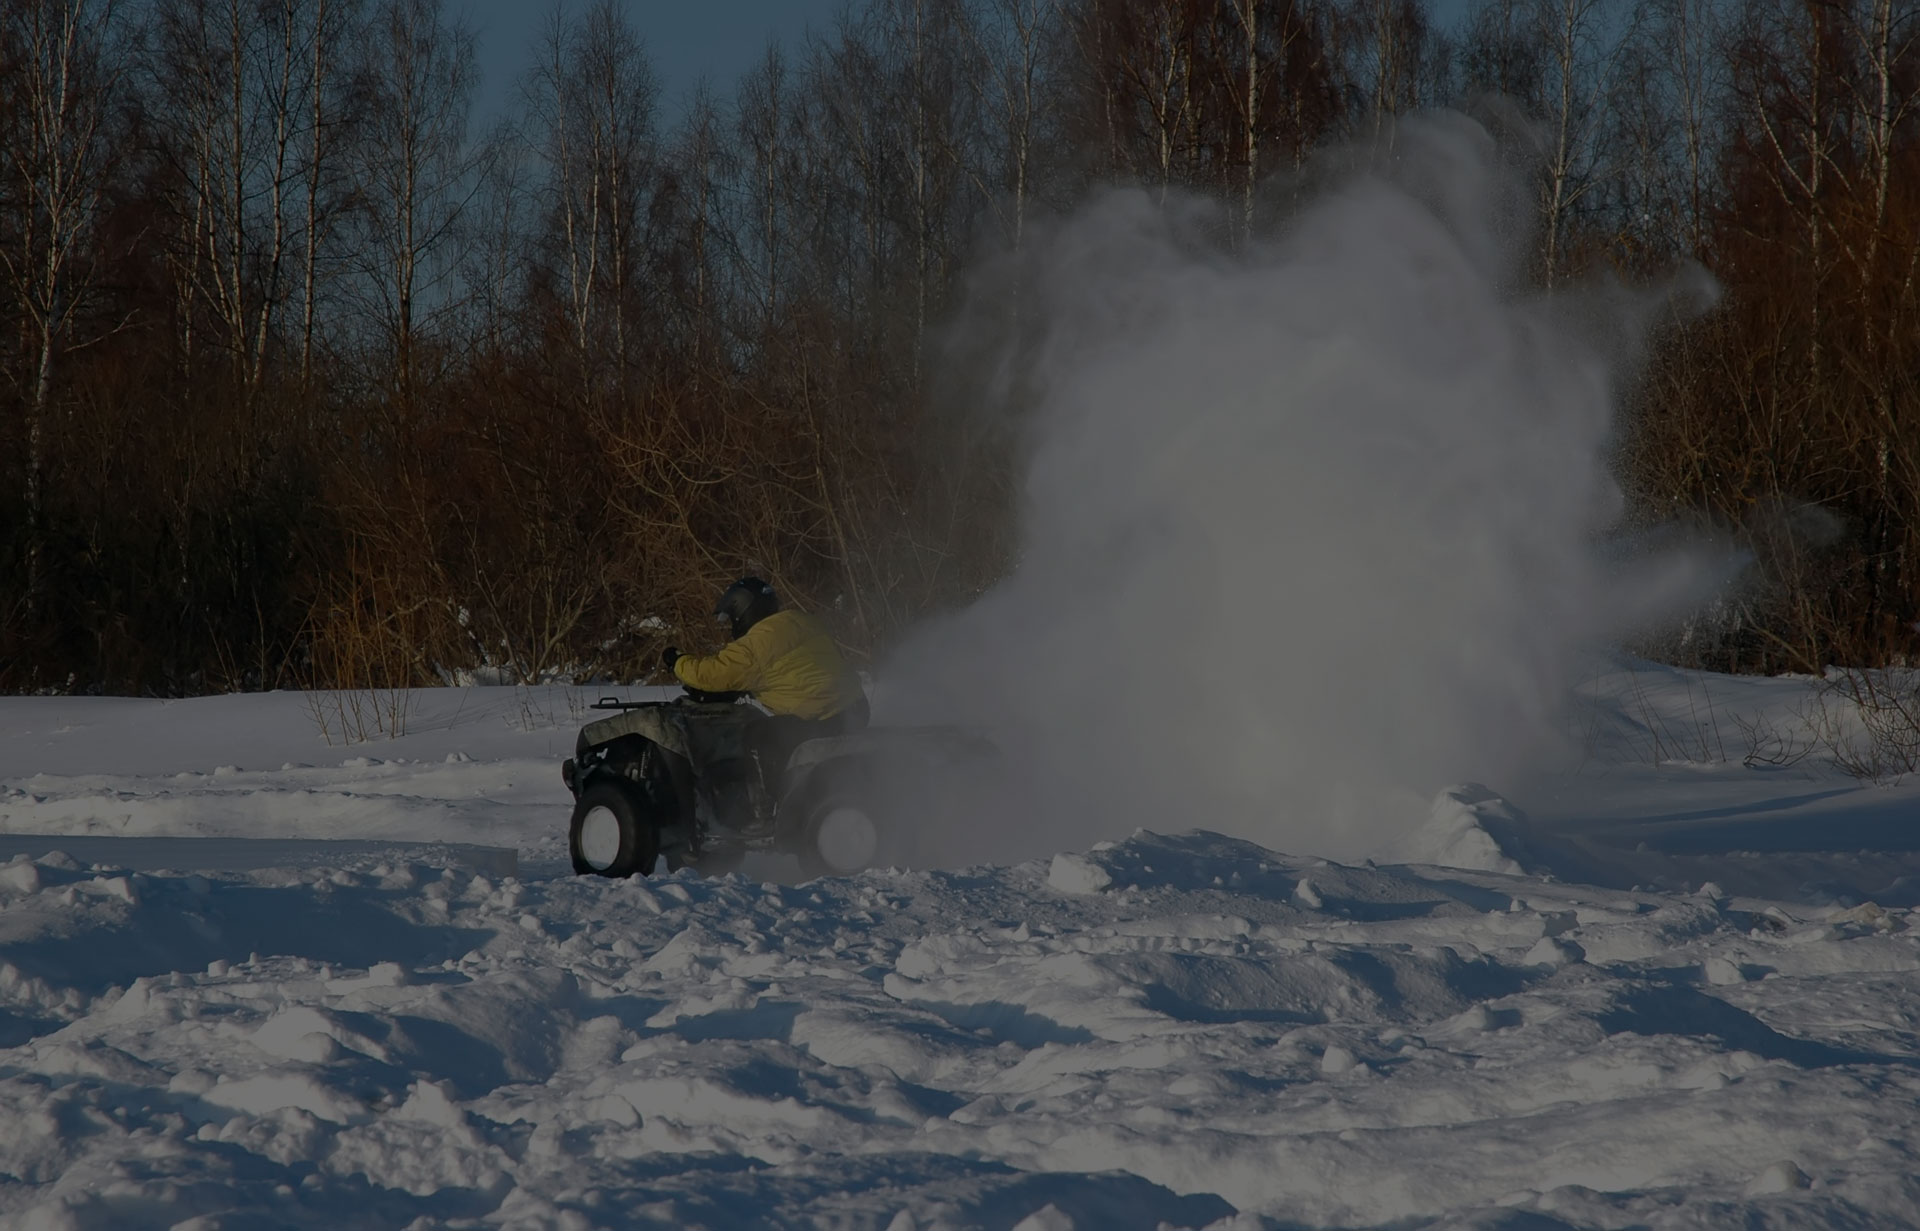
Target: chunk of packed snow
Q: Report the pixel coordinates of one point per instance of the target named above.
(1722, 972)
(20, 877)
(1470, 827)
(1046, 1218)
(1077, 874)
(1550, 951)
(272, 1091)
(1781, 1176)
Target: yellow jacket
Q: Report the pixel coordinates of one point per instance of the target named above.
(787, 661)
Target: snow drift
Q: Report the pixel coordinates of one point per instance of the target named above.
(1343, 484)
(360, 1027)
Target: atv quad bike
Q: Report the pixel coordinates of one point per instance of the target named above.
(688, 780)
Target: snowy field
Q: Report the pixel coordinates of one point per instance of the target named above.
(1655, 988)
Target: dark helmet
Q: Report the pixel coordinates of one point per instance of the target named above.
(746, 602)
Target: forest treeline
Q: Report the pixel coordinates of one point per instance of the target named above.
(310, 377)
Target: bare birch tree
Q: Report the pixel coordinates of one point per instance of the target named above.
(1388, 47)
(1011, 43)
(415, 170)
(703, 245)
(928, 97)
(495, 261)
(1246, 89)
(1581, 56)
(231, 84)
(768, 155)
(1691, 36)
(593, 97)
(327, 86)
(1885, 101)
(58, 157)
(1503, 55)
(1786, 72)
(1161, 76)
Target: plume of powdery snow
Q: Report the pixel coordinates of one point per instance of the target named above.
(1309, 526)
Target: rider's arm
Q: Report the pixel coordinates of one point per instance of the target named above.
(736, 668)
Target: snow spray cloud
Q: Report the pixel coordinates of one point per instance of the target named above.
(1309, 528)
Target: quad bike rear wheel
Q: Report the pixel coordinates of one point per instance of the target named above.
(611, 833)
(842, 834)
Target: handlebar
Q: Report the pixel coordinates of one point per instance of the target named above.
(615, 703)
(692, 694)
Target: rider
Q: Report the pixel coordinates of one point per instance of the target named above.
(785, 660)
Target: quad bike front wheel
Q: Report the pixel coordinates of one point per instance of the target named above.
(610, 834)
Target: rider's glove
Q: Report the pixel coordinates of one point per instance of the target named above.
(669, 656)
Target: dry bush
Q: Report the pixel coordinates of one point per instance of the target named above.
(1697, 739)
(1771, 745)
(520, 516)
(1869, 721)
(364, 638)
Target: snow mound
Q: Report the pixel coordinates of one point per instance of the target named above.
(1470, 827)
(1220, 1035)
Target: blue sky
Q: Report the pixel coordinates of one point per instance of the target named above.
(718, 39)
(689, 39)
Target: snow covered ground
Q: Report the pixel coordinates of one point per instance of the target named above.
(1652, 988)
